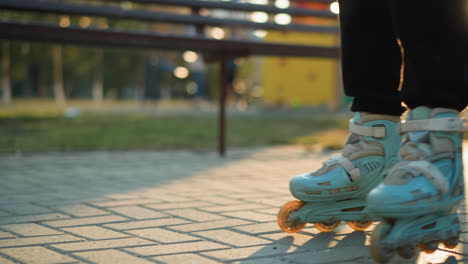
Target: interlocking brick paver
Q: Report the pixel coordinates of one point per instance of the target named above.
(267, 260)
(246, 252)
(6, 261)
(30, 241)
(233, 238)
(335, 255)
(125, 202)
(162, 235)
(271, 211)
(4, 214)
(237, 207)
(163, 206)
(103, 244)
(30, 229)
(176, 248)
(186, 259)
(5, 235)
(259, 228)
(138, 212)
(87, 221)
(144, 207)
(95, 232)
(24, 209)
(218, 200)
(32, 218)
(273, 201)
(123, 196)
(81, 210)
(37, 255)
(209, 225)
(148, 223)
(195, 215)
(164, 197)
(249, 215)
(111, 256)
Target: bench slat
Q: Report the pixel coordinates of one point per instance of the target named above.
(74, 35)
(152, 16)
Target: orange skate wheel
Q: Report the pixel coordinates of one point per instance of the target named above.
(451, 243)
(360, 225)
(284, 216)
(327, 227)
(429, 247)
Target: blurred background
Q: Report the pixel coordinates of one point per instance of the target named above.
(58, 97)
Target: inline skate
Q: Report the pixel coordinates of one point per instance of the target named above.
(420, 195)
(337, 191)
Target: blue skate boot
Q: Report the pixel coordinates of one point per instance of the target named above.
(420, 195)
(337, 192)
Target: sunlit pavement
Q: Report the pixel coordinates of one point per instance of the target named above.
(168, 207)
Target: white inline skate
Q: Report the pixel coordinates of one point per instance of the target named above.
(337, 192)
(420, 195)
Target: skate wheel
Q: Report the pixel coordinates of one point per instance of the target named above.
(451, 242)
(429, 247)
(327, 227)
(406, 252)
(284, 217)
(360, 225)
(378, 252)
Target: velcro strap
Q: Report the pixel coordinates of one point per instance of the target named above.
(433, 124)
(378, 132)
(431, 172)
(349, 167)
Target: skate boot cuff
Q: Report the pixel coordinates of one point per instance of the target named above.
(435, 124)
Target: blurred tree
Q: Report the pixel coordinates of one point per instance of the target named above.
(98, 88)
(63, 72)
(6, 81)
(58, 74)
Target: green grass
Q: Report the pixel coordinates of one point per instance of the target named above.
(31, 133)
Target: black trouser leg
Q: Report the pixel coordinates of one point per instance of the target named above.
(371, 57)
(433, 37)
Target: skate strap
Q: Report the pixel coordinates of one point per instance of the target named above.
(426, 169)
(434, 124)
(354, 173)
(378, 132)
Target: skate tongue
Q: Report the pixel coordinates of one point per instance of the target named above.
(421, 112)
(357, 118)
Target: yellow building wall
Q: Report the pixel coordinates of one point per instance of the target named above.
(300, 81)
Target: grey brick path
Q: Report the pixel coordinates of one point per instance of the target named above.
(167, 207)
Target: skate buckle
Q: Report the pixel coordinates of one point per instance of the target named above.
(377, 131)
(434, 124)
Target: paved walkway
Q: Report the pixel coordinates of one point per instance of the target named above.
(166, 207)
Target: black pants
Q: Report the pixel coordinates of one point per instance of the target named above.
(432, 34)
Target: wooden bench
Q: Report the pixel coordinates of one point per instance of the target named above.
(213, 49)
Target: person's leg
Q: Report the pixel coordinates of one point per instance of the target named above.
(371, 71)
(371, 57)
(433, 37)
(420, 195)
